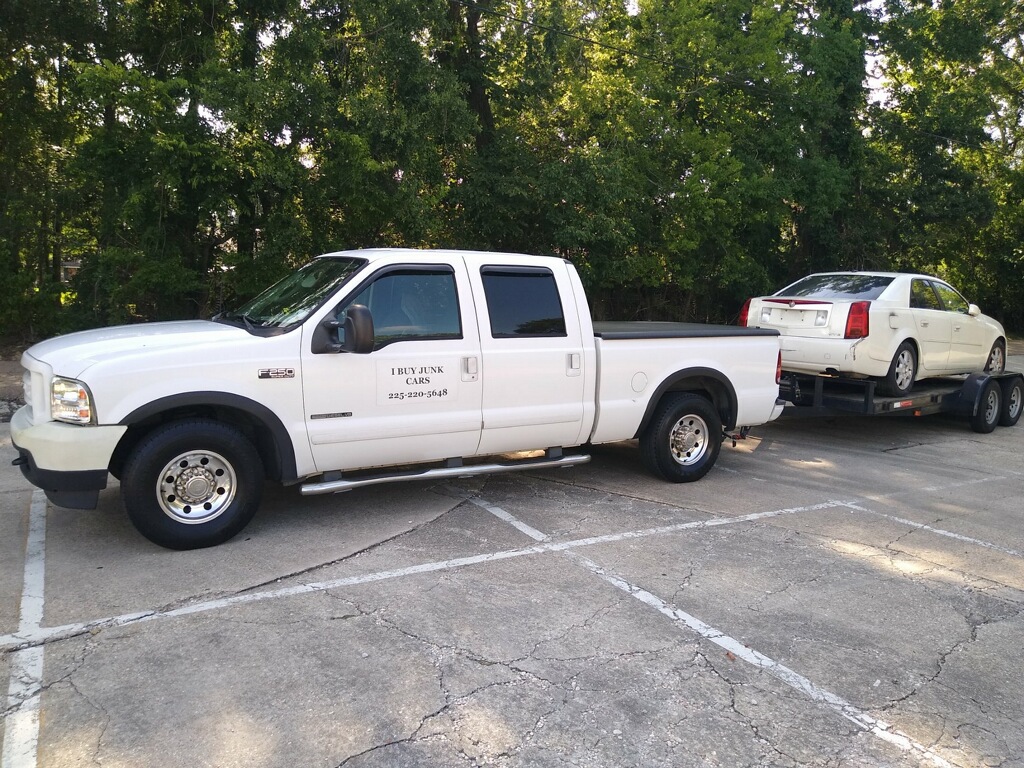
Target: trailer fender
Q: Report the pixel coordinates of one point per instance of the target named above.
(970, 394)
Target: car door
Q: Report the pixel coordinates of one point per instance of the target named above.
(532, 352)
(934, 326)
(968, 351)
(417, 396)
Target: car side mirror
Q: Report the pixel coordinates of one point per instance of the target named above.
(974, 310)
(358, 330)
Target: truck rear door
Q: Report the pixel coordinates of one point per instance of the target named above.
(532, 353)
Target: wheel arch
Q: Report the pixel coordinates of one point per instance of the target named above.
(709, 382)
(257, 422)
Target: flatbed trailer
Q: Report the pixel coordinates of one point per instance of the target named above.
(986, 399)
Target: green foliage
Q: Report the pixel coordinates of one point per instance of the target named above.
(684, 154)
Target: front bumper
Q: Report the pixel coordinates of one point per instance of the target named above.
(67, 461)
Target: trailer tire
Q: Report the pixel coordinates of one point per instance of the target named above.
(684, 438)
(989, 408)
(1013, 397)
(192, 484)
(902, 372)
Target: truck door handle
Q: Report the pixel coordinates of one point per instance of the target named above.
(470, 368)
(573, 364)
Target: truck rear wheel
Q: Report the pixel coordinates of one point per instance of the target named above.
(192, 484)
(684, 438)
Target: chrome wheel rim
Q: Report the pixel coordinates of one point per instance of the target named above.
(992, 406)
(196, 487)
(995, 360)
(904, 369)
(688, 441)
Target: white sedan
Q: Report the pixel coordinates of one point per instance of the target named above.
(895, 327)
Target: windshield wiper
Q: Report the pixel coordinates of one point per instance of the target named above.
(251, 324)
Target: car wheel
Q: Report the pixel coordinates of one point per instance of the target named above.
(987, 417)
(192, 484)
(683, 440)
(902, 372)
(996, 362)
(1013, 401)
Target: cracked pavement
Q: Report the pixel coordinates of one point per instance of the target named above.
(856, 601)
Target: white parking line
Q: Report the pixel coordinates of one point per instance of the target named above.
(861, 719)
(35, 635)
(21, 724)
(23, 702)
(937, 531)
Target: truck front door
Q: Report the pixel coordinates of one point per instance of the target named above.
(417, 396)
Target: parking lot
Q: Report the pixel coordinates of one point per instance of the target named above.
(838, 591)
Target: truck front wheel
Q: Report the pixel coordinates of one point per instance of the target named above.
(192, 484)
(683, 439)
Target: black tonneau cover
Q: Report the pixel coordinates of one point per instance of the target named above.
(641, 329)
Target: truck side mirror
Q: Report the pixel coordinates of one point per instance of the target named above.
(358, 330)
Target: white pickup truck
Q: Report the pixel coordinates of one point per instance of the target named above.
(372, 366)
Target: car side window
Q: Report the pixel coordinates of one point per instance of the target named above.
(522, 301)
(410, 304)
(922, 296)
(952, 300)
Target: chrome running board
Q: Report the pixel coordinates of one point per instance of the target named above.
(440, 473)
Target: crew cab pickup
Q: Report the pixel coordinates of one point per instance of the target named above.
(370, 366)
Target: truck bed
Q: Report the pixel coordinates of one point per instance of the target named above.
(644, 329)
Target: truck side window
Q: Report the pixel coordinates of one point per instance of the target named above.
(411, 304)
(522, 301)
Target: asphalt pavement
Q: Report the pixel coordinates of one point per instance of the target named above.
(838, 591)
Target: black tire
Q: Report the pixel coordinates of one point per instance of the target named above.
(683, 440)
(1013, 402)
(902, 372)
(996, 362)
(192, 484)
(989, 408)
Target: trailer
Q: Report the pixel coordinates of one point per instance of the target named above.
(987, 400)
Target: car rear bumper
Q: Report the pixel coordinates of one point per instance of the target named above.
(806, 355)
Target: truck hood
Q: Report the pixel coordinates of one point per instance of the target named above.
(73, 354)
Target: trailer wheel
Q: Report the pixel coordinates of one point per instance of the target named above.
(987, 417)
(1013, 397)
(902, 372)
(192, 484)
(684, 438)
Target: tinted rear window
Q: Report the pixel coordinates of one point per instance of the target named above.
(838, 287)
(522, 301)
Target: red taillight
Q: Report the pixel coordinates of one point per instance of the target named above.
(744, 311)
(857, 320)
(778, 369)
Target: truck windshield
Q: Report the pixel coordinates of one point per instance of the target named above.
(290, 301)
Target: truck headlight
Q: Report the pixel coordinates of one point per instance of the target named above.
(70, 401)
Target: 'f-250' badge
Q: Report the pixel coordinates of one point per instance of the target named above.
(277, 373)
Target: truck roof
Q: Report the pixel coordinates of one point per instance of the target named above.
(426, 254)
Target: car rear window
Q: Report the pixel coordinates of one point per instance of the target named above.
(838, 287)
